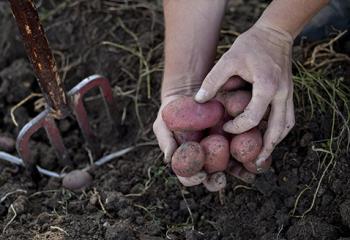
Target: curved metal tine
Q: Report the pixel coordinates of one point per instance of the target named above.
(56, 140)
(22, 144)
(77, 104)
(43, 120)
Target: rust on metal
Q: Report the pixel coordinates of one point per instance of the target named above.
(40, 55)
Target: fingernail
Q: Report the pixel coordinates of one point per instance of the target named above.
(201, 95)
(227, 126)
(258, 164)
(166, 156)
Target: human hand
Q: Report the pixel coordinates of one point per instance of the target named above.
(261, 56)
(168, 144)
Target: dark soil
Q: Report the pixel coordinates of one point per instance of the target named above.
(136, 196)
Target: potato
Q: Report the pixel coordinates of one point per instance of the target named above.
(218, 128)
(237, 101)
(237, 170)
(77, 180)
(246, 146)
(234, 83)
(7, 144)
(188, 159)
(184, 114)
(251, 167)
(217, 155)
(187, 136)
(215, 182)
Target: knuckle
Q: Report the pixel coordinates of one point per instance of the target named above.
(277, 70)
(248, 120)
(226, 57)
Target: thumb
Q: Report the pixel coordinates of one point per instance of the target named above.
(215, 79)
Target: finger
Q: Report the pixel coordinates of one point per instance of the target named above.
(262, 96)
(290, 118)
(251, 167)
(215, 79)
(215, 182)
(193, 180)
(275, 127)
(165, 138)
(237, 170)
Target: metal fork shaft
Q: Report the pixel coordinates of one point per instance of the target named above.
(40, 55)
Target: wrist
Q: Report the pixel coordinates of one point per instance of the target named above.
(291, 15)
(275, 31)
(179, 85)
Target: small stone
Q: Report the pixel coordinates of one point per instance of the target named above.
(93, 199)
(43, 217)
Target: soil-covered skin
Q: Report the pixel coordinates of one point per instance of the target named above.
(136, 196)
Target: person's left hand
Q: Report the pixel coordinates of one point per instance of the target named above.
(261, 56)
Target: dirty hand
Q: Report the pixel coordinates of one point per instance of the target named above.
(168, 144)
(261, 56)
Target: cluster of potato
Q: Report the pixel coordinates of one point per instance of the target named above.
(203, 145)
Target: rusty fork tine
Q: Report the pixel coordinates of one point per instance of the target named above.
(76, 96)
(43, 120)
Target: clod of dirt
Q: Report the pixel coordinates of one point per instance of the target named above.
(312, 229)
(20, 205)
(344, 209)
(77, 180)
(120, 231)
(306, 139)
(7, 144)
(115, 201)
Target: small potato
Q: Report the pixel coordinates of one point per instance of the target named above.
(237, 170)
(215, 182)
(218, 128)
(77, 180)
(7, 144)
(217, 155)
(251, 167)
(237, 101)
(188, 136)
(188, 159)
(184, 114)
(234, 83)
(246, 147)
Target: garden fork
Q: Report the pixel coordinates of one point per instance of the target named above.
(59, 104)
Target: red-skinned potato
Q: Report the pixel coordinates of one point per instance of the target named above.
(188, 136)
(251, 167)
(184, 114)
(218, 128)
(237, 101)
(216, 149)
(245, 147)
(234, 83)
(237, 170)
(188, 159)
